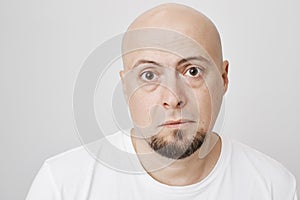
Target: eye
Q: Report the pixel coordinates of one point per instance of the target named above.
(193, 72)
(148, 76)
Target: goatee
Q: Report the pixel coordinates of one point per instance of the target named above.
(180, 147)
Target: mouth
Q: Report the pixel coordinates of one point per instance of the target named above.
(176, 123)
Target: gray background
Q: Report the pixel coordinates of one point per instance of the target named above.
(44, 43)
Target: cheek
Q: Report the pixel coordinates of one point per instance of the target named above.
(210, 98)
(139, 106)
(204, 106)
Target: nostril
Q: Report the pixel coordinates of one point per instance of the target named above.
(179, 103)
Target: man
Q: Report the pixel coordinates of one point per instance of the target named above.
(174, 79)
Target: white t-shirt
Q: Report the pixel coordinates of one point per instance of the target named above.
(240, 173)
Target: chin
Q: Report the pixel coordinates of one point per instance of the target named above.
(176, 143)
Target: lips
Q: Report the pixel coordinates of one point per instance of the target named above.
(175, 123)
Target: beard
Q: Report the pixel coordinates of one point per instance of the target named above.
(180, 146)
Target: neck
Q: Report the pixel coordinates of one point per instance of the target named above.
(181, 172)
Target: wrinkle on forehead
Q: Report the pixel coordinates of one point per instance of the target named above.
(182, 19)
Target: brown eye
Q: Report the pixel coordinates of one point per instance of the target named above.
(193, 72)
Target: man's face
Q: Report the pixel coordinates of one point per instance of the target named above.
(173, 101)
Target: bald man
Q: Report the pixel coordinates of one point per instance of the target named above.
(174, 79)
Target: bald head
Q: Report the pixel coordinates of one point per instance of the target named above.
(173, 69)
(185, 20)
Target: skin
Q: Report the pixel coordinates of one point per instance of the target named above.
(177, 94)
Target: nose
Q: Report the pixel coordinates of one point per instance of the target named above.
(176, 105)
(173, 98)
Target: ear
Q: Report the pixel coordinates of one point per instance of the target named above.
(122, 74)
(225, 67)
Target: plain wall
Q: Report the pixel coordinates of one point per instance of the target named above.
(44, 43)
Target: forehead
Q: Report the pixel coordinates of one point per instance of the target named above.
(163, 58)
(184, 44)
(160, 44)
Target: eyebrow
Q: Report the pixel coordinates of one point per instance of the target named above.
(144, 61)
(199, 58)
(182, 61)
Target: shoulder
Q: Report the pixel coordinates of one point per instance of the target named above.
(84, 153)
(70, 165)
(261, 166)
(70, 173)
(70, 157)
(65, 172)
(83, 158)
(256, 158)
